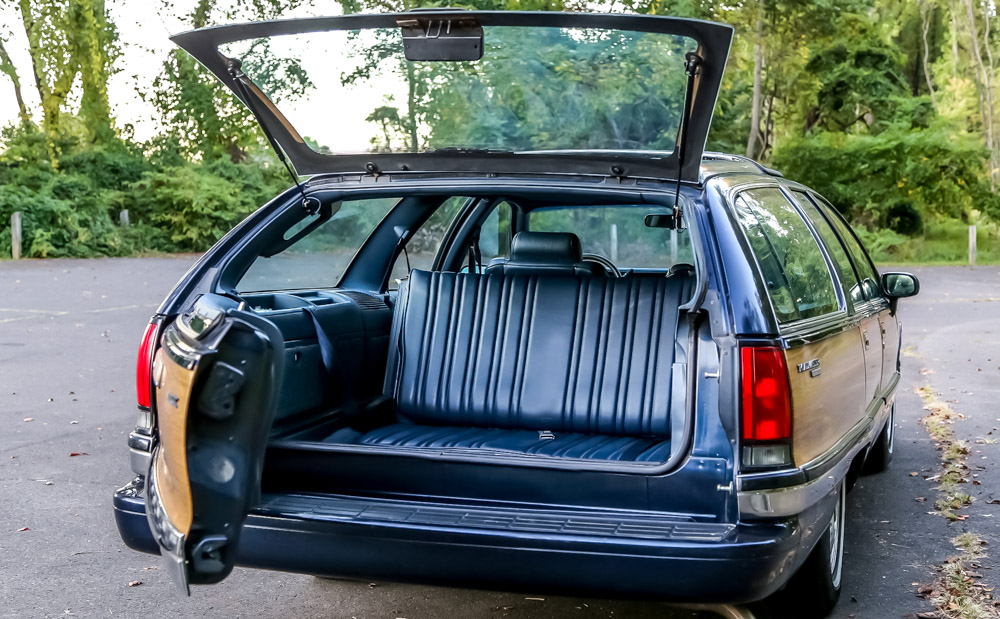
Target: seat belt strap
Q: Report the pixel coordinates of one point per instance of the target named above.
(326, 350)
(475, 256)
(395, 352)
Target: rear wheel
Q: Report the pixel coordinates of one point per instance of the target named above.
(814, 590)
(880, 454)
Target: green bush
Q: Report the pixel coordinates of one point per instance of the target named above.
(64, 218)
(868, 176)
(73, 211)
(190, 207)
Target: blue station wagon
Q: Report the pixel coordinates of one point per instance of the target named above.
(527, 335)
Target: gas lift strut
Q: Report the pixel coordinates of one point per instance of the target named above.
(243, 85)
(692, 66)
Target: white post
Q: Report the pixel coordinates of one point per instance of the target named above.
(972, 245)
(15, 235)
(614, 242)
(673, 247)
(123, 218)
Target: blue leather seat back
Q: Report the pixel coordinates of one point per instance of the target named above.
(538, 352)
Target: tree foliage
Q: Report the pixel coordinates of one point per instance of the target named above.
(885, 107)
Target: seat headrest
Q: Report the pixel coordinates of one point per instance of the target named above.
(545, 248)
(555, 253)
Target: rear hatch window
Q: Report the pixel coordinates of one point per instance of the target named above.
(535, 88)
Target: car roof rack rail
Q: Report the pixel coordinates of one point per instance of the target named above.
(713, 156)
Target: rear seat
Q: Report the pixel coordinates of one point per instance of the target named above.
(535, 360)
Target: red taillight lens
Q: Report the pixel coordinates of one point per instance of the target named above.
(143, 366)
(767, 406)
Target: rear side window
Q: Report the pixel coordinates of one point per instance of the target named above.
(866, 270)
(794, 269)
(494, 234)
(423, 246)
(834, 246)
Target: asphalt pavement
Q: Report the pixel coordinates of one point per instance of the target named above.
(69, 330)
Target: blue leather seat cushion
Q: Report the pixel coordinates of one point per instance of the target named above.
(523, 442)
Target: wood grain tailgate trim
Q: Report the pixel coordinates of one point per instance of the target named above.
(173, 393)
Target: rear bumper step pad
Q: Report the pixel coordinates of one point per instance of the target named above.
(566, 522)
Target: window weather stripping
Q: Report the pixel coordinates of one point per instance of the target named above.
(243, 84)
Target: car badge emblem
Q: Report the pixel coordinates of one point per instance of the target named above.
(811, 366)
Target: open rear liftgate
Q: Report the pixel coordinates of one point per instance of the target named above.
(214, 379)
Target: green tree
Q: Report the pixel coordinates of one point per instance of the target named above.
(67, 39)
(203, 118)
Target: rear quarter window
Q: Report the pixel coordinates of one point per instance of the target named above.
(321, 258)
(794, 270)
(866, 270)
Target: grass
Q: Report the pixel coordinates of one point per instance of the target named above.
(944, 242)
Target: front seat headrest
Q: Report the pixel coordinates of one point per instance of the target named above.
(545, 248)
(548, 252)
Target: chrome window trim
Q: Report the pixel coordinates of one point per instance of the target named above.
(814, 329)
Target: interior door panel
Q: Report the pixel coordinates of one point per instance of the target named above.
(357, 326)
(215, 377)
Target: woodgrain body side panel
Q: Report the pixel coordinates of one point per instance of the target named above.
(173, 394)
(825, 405)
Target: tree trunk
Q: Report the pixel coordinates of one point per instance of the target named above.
(955, 60)
(926, 13)
(199, 17)
(93, 44)
(7, 67)
(758, 67)
(984, 83)
(990, 74)
(51, 95)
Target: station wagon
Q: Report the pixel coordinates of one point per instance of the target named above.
(529, 335)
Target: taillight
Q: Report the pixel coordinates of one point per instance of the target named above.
(143, 366)
(766, 406)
